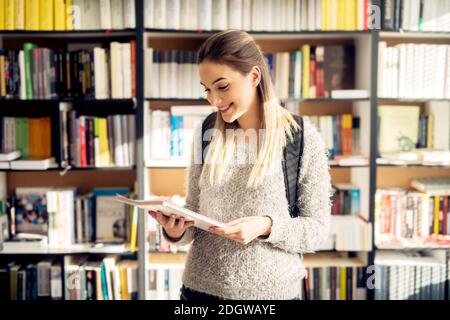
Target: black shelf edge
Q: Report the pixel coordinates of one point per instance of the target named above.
(129, 168)
(175, 100)
(409, 34)
(431, 247)
(69, 34)
(282, 100)
(336, 166)
(412, 166)
(73, 169)
(385, 99)
(332, 166)
(281, 33)
(68, 253)
(65, 252)
(325, 100)
(97, 101)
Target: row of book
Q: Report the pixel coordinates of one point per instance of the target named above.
(411, 275)
(82, 278)
(402, 214)
(101, 142)
(164, 281)
(346, 199)
(67, 15)
(101, 279)
(31, 136)
(257, 15)
(402, 128)
(31, 281)
(348, 233)
(172, 74)
(340, 133)
(169, 133)
(416, 15)
(311, 72)
(336, 283)
(91, 72)
(61, 218)
(395, 276)
(410, 70)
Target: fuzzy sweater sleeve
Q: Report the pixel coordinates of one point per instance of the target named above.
(192, 188)
(304, 233)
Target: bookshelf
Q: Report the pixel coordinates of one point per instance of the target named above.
(166, 177)
(63, 175)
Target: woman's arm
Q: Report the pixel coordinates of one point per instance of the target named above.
(306, 232)
(192, 189)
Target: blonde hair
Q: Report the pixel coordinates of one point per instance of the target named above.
(239, 51)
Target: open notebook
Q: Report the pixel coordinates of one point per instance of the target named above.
(168, 208)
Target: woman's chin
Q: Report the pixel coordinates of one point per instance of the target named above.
(228, 117)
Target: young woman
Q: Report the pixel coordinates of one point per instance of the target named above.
(259, 254)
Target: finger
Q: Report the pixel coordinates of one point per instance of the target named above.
(189, 224)
(161, 218)
(152, 214)
(171, 222)
(235, 238)
(235, 222)
(180, 224)
(229, 230)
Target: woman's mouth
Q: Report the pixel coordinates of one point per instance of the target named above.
(224, 109)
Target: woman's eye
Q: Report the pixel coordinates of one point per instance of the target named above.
(224, 87)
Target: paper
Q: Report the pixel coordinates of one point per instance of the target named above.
(167, 208)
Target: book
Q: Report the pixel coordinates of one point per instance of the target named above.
(167, 208)
(9, 156)
(430, 184)
(399, 128)
(349, 94)
(111, 217)
(33, 163)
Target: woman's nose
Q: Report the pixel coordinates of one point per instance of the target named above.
(216, 100)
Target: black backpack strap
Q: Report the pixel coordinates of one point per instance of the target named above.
(208, 123)
(291, 167)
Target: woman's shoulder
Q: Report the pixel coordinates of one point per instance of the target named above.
(312, 139)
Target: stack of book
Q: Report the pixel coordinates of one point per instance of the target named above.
(171, 133)
(90, 72)
(67, 15)
(414, 71)
(257, 15)
(416, 15)
(101, 142)
(66, 219)
(422, 216)
(410, 275)
(340, 133)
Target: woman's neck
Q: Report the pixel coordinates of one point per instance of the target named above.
(252, 118)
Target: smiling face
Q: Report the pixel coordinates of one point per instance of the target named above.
(229, 90)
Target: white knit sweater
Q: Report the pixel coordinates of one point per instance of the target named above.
(270, 268)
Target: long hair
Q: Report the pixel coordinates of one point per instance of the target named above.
(239, 51)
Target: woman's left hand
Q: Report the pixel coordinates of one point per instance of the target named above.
(244, 230)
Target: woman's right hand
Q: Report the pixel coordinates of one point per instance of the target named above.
(174, 227)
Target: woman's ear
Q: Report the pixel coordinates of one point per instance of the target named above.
(255, 76)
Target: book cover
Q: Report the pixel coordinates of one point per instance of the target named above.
(338, 68)
(111, 216)
(399, 128)
(31, 211)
